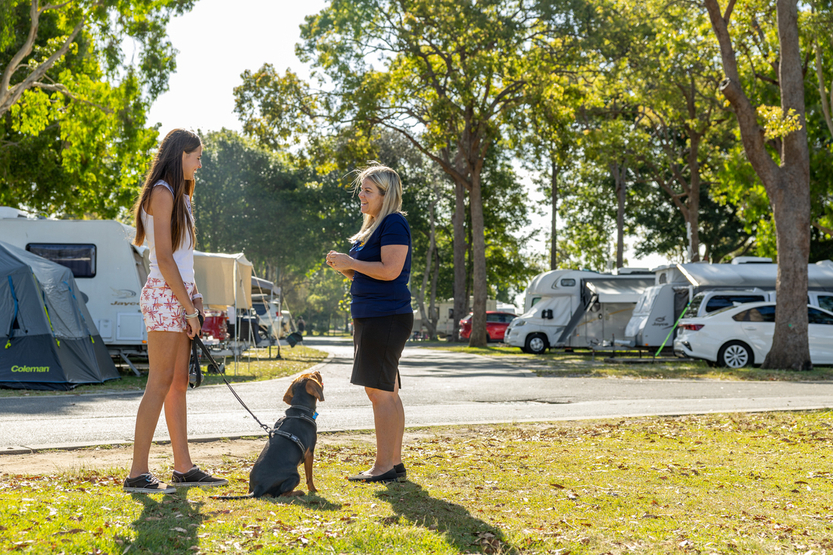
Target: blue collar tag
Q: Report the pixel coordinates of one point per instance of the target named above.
(314, 415)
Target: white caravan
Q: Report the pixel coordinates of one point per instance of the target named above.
(661, 305)
(109, 270)
(573, 308)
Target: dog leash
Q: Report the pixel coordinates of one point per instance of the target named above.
(198, 343)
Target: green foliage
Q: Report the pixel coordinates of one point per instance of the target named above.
(77, 141)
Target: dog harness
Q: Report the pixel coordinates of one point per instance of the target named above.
(311, 419)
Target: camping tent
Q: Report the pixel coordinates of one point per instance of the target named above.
(48, 339)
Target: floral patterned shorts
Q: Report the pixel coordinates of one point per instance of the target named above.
(160, 308)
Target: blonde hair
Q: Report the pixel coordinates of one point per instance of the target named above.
(390, 187)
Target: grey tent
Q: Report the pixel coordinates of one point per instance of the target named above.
(47, 338)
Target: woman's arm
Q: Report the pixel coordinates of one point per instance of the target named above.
(161, 208)
(393, 260)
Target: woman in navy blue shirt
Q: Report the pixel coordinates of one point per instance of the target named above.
(379, 263)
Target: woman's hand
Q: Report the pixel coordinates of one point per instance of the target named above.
(339, 261)
(193, 327)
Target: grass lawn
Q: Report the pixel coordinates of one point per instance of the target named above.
(625, 365)
(745, 483)
(255, 364)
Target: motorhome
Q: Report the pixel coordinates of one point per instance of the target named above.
(575, 308)
(746, 279)
(109, 270)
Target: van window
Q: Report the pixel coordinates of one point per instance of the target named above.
(816, 316)
(568, 282)
(826, 302)
(493, 317)
(761, 314)
(80, 258)
(722, 301)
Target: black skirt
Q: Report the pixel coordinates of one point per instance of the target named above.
(377, 346)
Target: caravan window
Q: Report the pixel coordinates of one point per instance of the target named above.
(80, 258)
(568, 282)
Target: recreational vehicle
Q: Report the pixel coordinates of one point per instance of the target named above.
(710, 287)
(573, 308)
(109, 270)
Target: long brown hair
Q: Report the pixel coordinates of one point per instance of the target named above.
(167, 166)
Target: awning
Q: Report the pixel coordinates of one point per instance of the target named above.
(223, 279)
(745, 276)
(619, 290)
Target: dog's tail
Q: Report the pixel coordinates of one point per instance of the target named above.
(227, 497)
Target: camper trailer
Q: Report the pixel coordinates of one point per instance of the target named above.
(108, 269)
(573, 308)
(710, 287)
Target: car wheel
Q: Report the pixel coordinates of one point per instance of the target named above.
(735, 355)
(537, 344)
(489, 338)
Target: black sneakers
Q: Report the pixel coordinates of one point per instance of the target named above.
(146, 483)
(196, 478)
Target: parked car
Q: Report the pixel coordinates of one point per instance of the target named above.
(496, 324)
(741, 335)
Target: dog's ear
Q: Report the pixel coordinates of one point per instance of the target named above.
(315, 389)
(317, 376)
(287, 398)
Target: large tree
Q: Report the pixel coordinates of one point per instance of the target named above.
(442, 74)
(73, 105)
(775, 142)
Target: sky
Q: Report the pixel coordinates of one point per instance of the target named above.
(217, 42)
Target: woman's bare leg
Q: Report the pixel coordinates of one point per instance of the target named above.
(162, 359)
(389, 418)
(176, 413)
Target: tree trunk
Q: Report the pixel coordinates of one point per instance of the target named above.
(478, 337)
(459, 222)
(693, 200)
(554, 230)
(435, 314)
(787, 185)
(618, 175)
(425, 317)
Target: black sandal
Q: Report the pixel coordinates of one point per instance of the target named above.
(389, 476)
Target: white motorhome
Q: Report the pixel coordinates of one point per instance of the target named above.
(745, 279)
(573, 308)
(108, 269)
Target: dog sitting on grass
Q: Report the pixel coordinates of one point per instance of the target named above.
(291, 442)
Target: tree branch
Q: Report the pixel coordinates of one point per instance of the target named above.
(13, 94)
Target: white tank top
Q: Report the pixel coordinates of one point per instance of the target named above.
(183, 256)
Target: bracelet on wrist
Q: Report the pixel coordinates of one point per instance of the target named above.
(197, 296)
(196, 314)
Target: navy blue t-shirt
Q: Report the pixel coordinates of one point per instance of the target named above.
(373, 297)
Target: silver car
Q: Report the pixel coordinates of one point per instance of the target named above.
(741, 335)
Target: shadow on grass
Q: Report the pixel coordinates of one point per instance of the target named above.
(462, 530)
(167, 525)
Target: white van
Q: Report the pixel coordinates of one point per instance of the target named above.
(574, 308)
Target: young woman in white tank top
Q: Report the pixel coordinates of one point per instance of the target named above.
(171, 306)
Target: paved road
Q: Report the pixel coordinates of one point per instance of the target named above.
(438, 388)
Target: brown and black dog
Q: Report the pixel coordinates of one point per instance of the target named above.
(292, 441)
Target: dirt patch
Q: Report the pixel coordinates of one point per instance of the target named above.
(204, 453)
